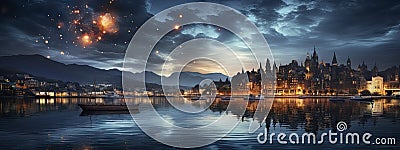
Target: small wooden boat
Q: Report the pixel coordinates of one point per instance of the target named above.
(359, 98)
(105, 107)
(302, 97)
(254, 98)
(198, 98)
(113, 95)
(90, 113)
(226, 98)
(337, 99)
(396, 96)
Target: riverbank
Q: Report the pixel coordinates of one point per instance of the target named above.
(241, 96)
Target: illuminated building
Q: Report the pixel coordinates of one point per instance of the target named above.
(376, 85)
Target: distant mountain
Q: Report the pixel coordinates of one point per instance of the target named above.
(192, 78)
(211, 76)
(40, 66)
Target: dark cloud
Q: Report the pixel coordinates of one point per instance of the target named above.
(360, 19)
(357, 28)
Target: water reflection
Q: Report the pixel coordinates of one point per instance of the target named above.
(12, 107)
(312, 114)
(51, 123)
(287, 111)
(319, 114)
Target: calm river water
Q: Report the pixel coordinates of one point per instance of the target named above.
(60, 123)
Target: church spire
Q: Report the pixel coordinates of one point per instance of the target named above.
(314, 53)
(348, 62)
(268, 65)
(274, 68)
(260, 70)
(334, 61)
(315, 56)
(375, 70)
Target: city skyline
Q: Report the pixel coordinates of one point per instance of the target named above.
(301, 62)
(98, 33)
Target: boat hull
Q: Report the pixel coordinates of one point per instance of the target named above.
(225, 98)
(90, 113)
(87, 107)
(253, 99)
(198, 98)
(337, 99)
(362, 99)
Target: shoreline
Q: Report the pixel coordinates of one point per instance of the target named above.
(277, 96)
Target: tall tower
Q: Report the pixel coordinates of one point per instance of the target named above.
(268, 66)
(315, 56)
(314, 62)
(375, 70)
(334, 61)
(260, 70)
(307, 62)
(348, 62)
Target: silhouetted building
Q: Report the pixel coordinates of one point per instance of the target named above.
(313, 78)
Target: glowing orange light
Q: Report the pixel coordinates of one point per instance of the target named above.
(62, 53)
(176, 27)
(180, 16)
(99, 38)
(107, 23)
(86, 39)
(76, 11)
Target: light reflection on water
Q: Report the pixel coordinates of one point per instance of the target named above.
(57, 123)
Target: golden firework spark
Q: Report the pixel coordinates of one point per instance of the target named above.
(107, 23)
(86, 40)
(76, 11)
(89, 29)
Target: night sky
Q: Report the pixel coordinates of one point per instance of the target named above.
(97, 32)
